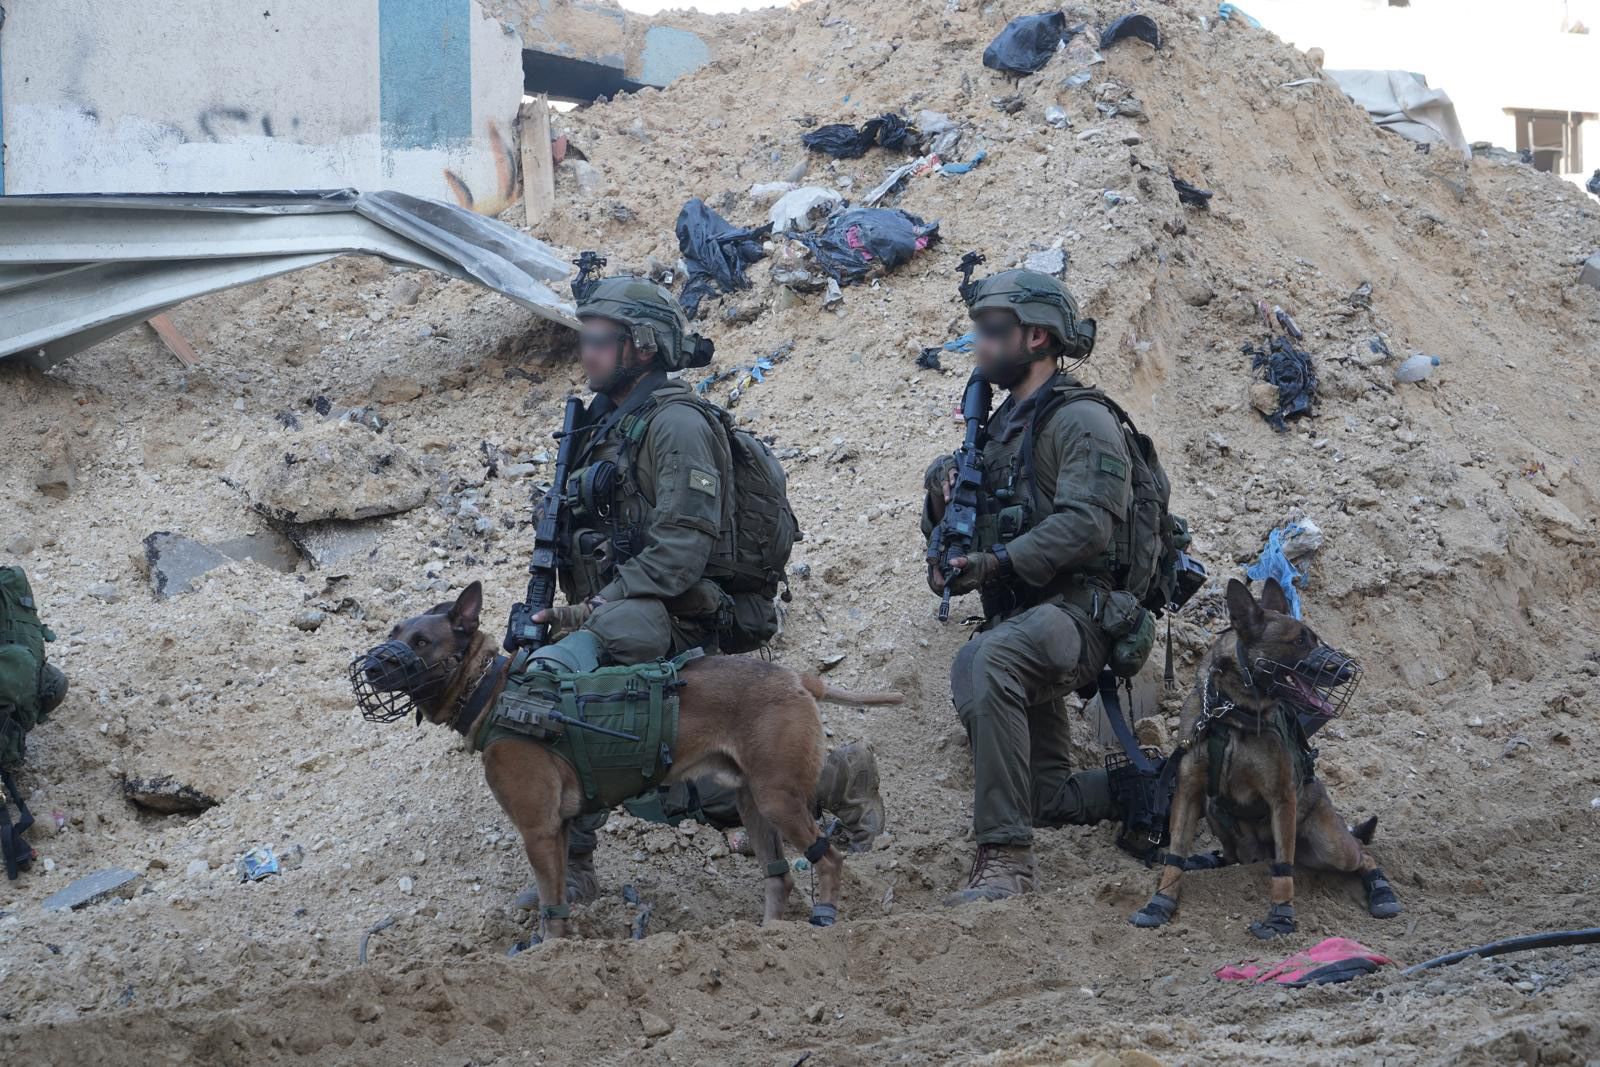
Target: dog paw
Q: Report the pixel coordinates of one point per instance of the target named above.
(824, 915)
(1158, 912)
(1279, 921)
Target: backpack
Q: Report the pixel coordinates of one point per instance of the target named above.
(764, 532)
(22, 641)
(1149, 542)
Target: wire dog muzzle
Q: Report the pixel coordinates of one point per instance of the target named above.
(391, 680)
(1320, 685)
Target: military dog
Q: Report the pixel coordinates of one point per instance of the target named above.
(739, 715)
(1246, 763)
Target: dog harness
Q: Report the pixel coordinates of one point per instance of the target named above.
(616, 726)
(1283, 721)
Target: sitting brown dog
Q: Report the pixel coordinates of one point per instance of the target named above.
(740, 715)
(1246, 762)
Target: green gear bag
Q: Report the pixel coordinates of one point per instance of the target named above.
(22, 640)
(640, 701)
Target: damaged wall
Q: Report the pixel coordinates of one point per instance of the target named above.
(414, 95)
(655, 51)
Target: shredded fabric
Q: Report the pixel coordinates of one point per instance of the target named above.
(1338, 959)
(716, 253)
(1290, 369)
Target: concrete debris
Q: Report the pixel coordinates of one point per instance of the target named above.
(175, 561)
(1590, 275)
(90, 889)
(328, 471)
(335, 544)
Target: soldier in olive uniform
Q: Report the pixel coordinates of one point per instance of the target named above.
(650, 508)
(1057, 482)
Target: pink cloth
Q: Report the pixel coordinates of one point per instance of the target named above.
(1339, 957)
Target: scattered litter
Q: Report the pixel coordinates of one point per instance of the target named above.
(962, 168)
(802, 209)
(377, 927)
(1401, 102)
(1416, 369)
(1141, 26)
(1300, 81)
(1114, 198)
(1338, 959)
(256, 864)
(1286, 320)
(855, 241)
(1593, 184)
(844, 141)
(1074, 81)
(895, 179)
(1301, 538)
(1290, 370)
(1362, 297)
(1026, 43)
(1056, 115)
(1228, 12)
(89, 889)
(929, 359)
(1190, 194)
(716, 253)
(745, 376)
(1273, 563)
(1008, 105)
(770, 190)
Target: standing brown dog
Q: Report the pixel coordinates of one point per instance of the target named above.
(1247, 765)
(740, 715)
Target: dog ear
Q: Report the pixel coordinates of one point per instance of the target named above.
(1273, 597)
(1243, 611)
(464, 615)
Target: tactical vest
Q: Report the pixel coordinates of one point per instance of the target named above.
(640, 702)
(22, 658)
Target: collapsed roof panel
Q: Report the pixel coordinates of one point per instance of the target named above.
(77, 269)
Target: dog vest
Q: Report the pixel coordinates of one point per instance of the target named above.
(1283, 723)
(616, 726)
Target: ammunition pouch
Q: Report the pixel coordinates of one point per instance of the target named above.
(616, 726)
(589, 493)
(1131, 631)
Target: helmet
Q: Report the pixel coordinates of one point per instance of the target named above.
(1037, 300)
(652, 316)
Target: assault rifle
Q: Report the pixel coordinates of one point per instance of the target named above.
(952, 538)
(521, 631)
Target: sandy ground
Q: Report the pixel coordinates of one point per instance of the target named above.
(1459, 566)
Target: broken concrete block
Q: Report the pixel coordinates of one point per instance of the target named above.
(89, 889)
(332, 544)
(165, 795)
(266, 548)
(1052, 261)
(335, 470)
(175, 561)
(1591, 271)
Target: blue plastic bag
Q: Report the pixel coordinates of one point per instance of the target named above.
(1274, 564)
(1228, 11)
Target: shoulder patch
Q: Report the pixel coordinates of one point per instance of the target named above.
(702, 481)
(1113, 466)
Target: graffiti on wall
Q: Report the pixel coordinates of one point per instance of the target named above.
(507, 178)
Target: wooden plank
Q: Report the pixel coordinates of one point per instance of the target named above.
(538, 167)
(176, 343)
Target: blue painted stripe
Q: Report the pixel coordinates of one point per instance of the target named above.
(424, 72)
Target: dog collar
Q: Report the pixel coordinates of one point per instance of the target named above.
(472, 707)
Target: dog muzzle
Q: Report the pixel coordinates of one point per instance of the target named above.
(1319, 685)
(391, 681)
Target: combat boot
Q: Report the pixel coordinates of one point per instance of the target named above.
(1000, 871)
(583, 885)
(848, 787)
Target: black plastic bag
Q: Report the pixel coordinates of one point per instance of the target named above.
(1288, 368)
(1141, 26)
(1027, 43)
(1593, 184)
(716, 253)
(853, 241)
(1189, 194)
(844, 141)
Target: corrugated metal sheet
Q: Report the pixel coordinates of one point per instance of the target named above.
(77, 269)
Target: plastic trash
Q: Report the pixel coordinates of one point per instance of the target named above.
(1416, 369)
(1141, 26)
(1226, 12)
(1290, 370)
(844, 141)
(1273, 563)
(1301, 538)
(256, 864)
(856, 240)
(1190, 194)
(715, 252)
(962, 168)
(1026, 43)
(802, 209)
(1593, 184)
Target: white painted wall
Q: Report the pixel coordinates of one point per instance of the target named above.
(1487, 54)
(194, 95)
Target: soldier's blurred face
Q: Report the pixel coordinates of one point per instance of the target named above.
(603, 345)
(1001, 349)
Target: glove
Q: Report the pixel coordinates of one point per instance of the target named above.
(975, 571)
(569, 617)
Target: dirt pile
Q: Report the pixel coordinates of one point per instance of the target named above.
(1458, 565)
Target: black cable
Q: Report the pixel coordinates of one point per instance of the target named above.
(1555, 939)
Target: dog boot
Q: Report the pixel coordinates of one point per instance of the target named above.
(999, 871)
(1381, 901)
(583, 885)
(848, 787)
(1279, 920)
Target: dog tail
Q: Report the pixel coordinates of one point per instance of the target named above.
(833, 695)
(1364, 831)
